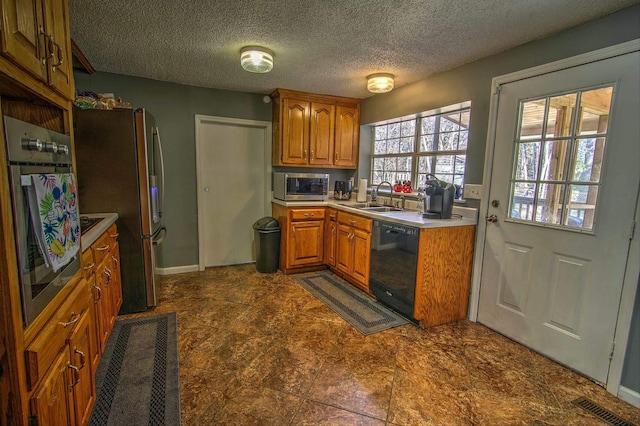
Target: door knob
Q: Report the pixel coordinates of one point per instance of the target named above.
(492, 218)
(206, 189)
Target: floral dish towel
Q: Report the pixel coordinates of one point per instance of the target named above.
(54, 214)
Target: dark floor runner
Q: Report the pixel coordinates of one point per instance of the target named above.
(137, 381)
(363, 313)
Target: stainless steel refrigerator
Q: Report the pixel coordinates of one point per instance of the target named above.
(120, 169)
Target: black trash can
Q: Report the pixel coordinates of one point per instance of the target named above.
(267, 236)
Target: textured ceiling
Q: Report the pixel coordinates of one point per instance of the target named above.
(320, 46)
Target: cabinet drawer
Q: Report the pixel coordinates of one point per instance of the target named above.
(356, 221)
(41, 353)
(88, 263)
(332, 214)
(112, 232)
(101, 247)
(306, 214)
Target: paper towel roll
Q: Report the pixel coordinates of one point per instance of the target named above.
(362, 191)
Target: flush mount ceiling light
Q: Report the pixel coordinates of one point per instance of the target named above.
(256, 59)
(380, 83)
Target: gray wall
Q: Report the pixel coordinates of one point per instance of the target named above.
(174, 107)
(473, 82)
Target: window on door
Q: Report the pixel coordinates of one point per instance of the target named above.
(434, 143)
(558, 159)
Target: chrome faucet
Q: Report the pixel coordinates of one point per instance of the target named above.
(390, 187)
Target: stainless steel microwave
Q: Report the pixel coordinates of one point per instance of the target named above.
(300, 186)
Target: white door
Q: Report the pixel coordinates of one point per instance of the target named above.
(233, 182)
(562, 193)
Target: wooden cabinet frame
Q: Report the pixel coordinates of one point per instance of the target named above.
(312, 130)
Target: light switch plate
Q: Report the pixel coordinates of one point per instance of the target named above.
(472, 191)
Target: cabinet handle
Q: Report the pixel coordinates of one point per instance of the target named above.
(308, 214)
(59, 55)
(48, 47)
(336, 156)
(99, 293)
(73, 321)
(82, 356)
(76, 373)
(88, 267)
(103, 248)
(107, 271)
(351, 221)
(116, 235)
(304, 154)
(312, 154)
(115, 259)
(293, 231)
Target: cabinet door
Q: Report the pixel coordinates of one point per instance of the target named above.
(331, 237)
(51, 402)
(84, 395)
(56, 14)
(347, 137)
(361, 242)
(295, 132)
(22, 40)
(103, 306)
(95, 324)
(321, 138)
(306, 244)
(116, 280)
(344, 250)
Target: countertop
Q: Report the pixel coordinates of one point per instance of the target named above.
(92, 235)
(468, 215)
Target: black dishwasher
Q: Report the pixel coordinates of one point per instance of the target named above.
(394, 261)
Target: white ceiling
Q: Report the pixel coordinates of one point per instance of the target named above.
(320, 46)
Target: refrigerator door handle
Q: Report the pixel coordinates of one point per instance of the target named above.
(158, 237)
(161, 204)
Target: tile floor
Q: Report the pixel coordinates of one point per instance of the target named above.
(258, 349)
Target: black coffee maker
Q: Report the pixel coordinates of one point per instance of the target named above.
(342, 190)
(438, 200)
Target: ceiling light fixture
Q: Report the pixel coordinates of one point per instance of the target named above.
(256, 59)
(380, 83)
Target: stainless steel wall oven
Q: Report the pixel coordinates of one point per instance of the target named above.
(34, 150)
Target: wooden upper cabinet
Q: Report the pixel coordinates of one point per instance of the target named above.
(295, 132)
(59, 46)
(35, 36)
(347, 137)
(321, 139)
(312, 130)
(23, 35)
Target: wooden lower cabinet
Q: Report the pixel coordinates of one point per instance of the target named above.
(330, 237)
(445, 260)
(52, 403)
(306, 243)
(59, 360)
(301, 238)
(83, 391)
(353, 247)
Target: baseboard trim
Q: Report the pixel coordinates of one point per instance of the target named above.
(177, 270)
(629, 395)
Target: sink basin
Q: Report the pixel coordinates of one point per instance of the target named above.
(381, 209)
(372, 207)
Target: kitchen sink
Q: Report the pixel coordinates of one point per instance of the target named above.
(372, 207)
(381, 209)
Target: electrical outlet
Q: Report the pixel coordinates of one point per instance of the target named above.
(472, 191)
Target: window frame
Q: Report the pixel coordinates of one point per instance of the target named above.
(566, 182)
(416, 154)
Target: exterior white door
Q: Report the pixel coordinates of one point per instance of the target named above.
(563, 193)
(233, 185)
